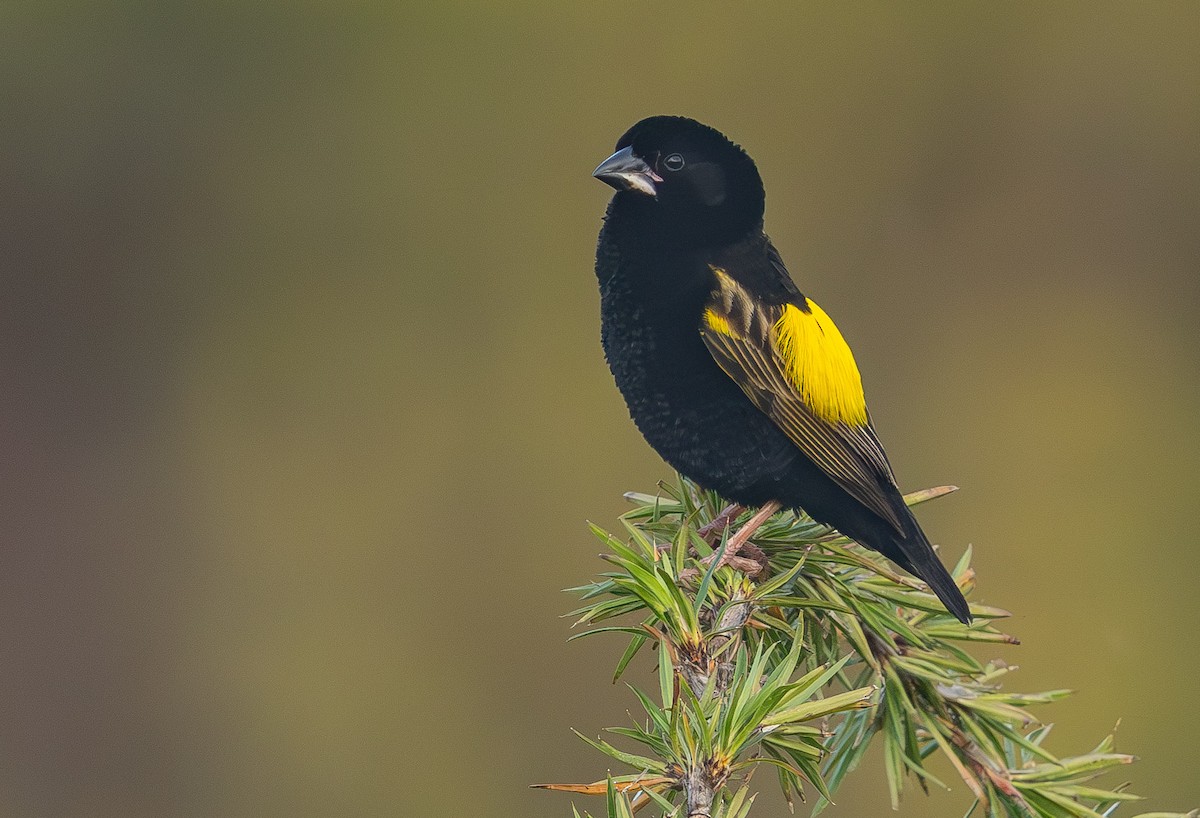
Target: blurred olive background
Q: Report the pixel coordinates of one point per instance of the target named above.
(302, 406)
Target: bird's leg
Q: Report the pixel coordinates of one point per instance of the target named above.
(753, 524)
(740, 541)
(712, 531)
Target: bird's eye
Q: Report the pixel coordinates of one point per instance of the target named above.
(673, 162)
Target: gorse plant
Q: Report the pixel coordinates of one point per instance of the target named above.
(800, 668)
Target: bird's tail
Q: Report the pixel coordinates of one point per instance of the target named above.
(917, 556)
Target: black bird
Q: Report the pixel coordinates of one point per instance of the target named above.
(736, 379)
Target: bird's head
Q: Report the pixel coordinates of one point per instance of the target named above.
(685, 178)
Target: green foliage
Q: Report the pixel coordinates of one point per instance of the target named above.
(800, 671)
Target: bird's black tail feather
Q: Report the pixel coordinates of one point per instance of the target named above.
(919, 559)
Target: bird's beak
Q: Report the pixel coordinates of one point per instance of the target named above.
(624, 171)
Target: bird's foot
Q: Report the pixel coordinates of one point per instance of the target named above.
(739, 552)
(750, 560)
(712, 531)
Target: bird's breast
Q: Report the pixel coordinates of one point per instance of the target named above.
(650, 331)
(685, 406)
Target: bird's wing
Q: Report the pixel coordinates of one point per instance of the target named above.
(792, 362)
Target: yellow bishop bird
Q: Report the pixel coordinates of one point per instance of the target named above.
(735, 377)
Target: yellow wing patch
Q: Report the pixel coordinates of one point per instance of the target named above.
(718, 323)
(818, 362)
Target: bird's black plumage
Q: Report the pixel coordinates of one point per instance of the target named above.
(733, 376)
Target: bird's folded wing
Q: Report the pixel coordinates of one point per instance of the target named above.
(794, 365)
